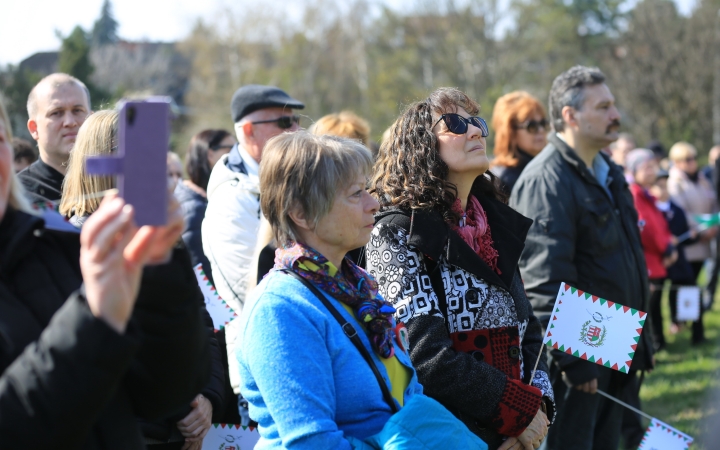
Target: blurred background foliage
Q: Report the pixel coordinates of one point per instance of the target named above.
(365, 56)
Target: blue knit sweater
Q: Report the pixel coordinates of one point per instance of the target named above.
(307, 385)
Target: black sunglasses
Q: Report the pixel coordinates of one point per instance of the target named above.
(533, 126)
(283, 122)
(458, 124)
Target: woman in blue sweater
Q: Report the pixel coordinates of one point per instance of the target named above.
(307, 385)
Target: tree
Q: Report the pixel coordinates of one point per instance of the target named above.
(74, 59)
(105, 29)
(16, 84)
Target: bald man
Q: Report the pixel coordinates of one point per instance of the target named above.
(57, 107)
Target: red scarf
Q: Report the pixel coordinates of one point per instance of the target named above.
(475, 231)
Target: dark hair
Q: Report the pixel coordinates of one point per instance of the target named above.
(196, 160)
(568, 89)
(409, 172)
(23, 149)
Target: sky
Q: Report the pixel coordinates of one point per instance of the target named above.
(30, 26)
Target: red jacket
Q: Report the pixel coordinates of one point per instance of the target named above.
(654, 231)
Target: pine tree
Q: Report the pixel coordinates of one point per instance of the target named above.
(105, 28)
(74, 58)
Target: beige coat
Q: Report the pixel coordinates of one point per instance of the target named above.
(694, 198)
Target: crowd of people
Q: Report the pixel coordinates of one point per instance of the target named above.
(389, 296)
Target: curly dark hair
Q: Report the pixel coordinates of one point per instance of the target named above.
(409, 172)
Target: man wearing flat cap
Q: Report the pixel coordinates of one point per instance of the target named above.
(230, 227)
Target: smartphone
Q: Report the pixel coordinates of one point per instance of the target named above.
(143, 141)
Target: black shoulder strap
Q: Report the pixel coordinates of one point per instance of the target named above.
(351, 333)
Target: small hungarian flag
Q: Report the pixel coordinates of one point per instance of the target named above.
(594, 329)
(661, 436)
(219, 311)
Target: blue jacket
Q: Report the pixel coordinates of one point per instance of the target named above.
(307, 385)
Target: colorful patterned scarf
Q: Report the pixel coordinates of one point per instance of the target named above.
(475, 231)
(350, 285)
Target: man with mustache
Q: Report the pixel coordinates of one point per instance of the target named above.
(57, 107)
(585, 233)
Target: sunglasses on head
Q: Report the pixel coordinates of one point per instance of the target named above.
(533, 126)
(458, 124)
(283, 122)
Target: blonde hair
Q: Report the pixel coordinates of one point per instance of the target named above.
(301, 169)
(82, 193)
(345, 124)
(681, 150)
(16, 196)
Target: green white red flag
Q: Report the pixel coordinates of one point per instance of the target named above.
(661, 436)
(594, 329)
(219, 311)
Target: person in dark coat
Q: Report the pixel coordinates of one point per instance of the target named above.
(444, 251)
(520, 125)
(89, 340)
(680, 273)
(81, 198)
(204, 151)
(585, 233)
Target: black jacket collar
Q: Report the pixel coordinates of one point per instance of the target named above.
(617, 181)
(18, 229)
(430, 234)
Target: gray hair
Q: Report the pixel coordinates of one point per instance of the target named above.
(301, 169)
(568, 89)
(56, 80)
(637, 157)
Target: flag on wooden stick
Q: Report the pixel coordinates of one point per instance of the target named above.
(661, 436)
(594, 329)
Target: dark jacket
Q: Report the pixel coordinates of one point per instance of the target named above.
(193, 207)
(42, 182)
(465, 322)
(583, 237)
(680, 272)
(70, 381)
(509, 175)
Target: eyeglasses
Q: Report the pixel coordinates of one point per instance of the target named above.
(690, 159)
(458, 124)
(283, 122)
(533, 126)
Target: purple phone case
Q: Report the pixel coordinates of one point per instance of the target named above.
(141, 160)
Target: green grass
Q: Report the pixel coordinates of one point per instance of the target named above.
(680, 389)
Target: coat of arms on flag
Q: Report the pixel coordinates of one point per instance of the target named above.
(594, 329)
(661, 436)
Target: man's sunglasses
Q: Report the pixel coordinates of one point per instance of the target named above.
(533, 126)
(283, 122)
(458, 124)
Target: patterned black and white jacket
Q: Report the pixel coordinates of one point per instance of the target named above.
(473, 337)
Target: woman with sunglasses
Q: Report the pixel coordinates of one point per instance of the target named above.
(444, 250)
(520, 125)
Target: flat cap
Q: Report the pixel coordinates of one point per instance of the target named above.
(253, 97)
